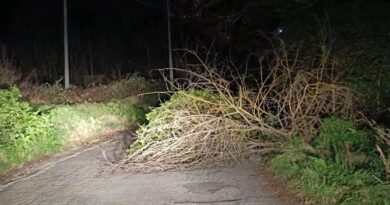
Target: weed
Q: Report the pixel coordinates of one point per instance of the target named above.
(341, 141)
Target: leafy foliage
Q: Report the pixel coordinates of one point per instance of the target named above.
(24, 133)
(29, 132)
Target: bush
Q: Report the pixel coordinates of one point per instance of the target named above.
(28, 132)
(339, 167)
(24, 134)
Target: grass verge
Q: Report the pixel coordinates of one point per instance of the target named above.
(340, 166)
(29, 132)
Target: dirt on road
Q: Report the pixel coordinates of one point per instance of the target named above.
(79, 177)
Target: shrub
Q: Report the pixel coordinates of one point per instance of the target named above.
(28, 132)
(24, 134)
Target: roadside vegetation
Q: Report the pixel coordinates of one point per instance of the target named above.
(25, 134)
(316, 110)
(315, 130)
(340, 166)
(56, 94)
(44, 119)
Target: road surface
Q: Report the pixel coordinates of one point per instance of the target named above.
(79, 177)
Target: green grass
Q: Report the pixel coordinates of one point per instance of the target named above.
(80, 123)
(29, 132)
(339, 167)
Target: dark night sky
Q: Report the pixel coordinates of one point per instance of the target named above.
(132, 34)
(115, 31)
(51, 10)
(47, 14)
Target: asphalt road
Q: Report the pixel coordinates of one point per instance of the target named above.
(78, 177)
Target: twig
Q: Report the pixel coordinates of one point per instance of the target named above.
(104, 155)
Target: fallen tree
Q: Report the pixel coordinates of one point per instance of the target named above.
(220, 118)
